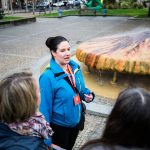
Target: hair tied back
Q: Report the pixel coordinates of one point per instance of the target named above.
(49, 42)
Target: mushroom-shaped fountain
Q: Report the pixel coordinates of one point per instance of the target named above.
(127, 54)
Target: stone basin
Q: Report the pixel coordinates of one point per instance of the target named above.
(127, 53)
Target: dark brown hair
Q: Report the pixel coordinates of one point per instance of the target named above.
(53, 42)
(128, 125)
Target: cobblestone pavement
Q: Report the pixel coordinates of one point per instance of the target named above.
(94, 126)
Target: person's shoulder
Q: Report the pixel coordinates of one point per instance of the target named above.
(31, 143)
(47, 73)
(19, 142)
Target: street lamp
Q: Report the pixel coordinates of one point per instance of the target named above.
(147, 4)
(26, 5)
(49, 6)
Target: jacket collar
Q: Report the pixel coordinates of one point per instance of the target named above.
(55, 67)
(58, 71)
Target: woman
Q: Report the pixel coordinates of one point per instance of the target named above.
(21, 126)
(128, 126)
(62, 89)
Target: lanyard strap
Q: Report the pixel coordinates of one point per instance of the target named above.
(71, 76)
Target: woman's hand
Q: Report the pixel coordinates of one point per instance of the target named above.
(88, 98)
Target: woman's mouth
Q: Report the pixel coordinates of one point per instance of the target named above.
(67, 58)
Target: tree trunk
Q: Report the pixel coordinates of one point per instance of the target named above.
(26, 5)
(0, 4)
(33, 6)
(11, 7)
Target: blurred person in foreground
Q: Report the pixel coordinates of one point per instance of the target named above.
(22, 127)
(128, 125)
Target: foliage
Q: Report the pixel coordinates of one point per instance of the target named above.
(112, 1)
(117, 5)
(137, 5)
(109, 1)
(113, 6)
(125, 5)
(110, 6)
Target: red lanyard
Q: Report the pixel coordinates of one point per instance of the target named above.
(71, 76)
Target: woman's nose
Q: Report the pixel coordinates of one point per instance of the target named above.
(68, 53)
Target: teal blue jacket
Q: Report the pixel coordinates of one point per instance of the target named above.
(57, 96)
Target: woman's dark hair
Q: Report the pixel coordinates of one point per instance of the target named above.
(129, 122)
(53, 42)
(128, 125)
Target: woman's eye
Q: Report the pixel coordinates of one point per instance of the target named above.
(62, 50)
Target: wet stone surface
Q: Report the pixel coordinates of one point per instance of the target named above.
(103, 100)
(94, 124)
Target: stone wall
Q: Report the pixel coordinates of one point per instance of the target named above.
(17, 22)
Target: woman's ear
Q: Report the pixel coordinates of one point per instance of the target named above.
(53, 53)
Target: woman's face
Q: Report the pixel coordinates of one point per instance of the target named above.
(62, 54)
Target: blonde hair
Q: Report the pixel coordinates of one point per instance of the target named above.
(18, 98)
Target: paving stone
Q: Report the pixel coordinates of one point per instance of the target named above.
(94, 126)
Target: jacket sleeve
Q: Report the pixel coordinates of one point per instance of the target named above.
(82, 89)
(46, 92)
(17, 148)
